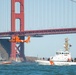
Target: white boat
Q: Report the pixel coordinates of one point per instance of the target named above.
(60, 58)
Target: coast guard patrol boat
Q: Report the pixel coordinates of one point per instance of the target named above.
(61, 57)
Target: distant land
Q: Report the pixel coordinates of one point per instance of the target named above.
(30, 59)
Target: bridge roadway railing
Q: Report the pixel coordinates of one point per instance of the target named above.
(40, 32)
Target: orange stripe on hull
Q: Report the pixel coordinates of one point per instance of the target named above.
(51, 63)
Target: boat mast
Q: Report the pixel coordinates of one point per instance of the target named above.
(66, 44)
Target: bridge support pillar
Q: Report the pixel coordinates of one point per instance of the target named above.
(15, 16)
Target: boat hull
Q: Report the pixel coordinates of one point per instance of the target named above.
(45, 62)
(6, 62)
(42, 62)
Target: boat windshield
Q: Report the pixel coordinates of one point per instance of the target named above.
(57, 53)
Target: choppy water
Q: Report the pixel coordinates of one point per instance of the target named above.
(34, 69)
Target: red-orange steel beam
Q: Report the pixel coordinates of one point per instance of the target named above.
(40, 32)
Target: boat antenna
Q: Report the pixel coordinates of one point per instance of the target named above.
(66, 44)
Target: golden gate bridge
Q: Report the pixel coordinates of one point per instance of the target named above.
(22, 33)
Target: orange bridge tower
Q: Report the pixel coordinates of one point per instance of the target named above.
(17, 48)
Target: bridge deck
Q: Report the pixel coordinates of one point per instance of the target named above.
(40, 32)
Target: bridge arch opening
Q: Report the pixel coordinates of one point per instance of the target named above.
(17, 7)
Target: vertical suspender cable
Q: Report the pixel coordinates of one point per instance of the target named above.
(55, 18)
(30, 23)
(62, 5)
(29, 8)
(41, 13)
(3, 22)
(54, 14)
(7, 16)
(60, 12)
(72, 16)
(57, 14)
(38, 14)
(33, 17)
(48, 15)
(46, 18)
(29, 19)
(51, 15)
(68, 18)
(64, 14)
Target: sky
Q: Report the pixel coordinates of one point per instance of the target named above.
(43, 14)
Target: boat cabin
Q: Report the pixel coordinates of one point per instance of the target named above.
(61, 56)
